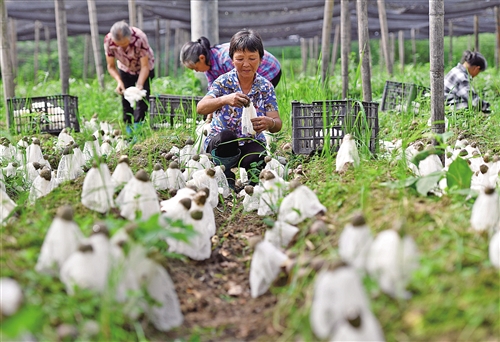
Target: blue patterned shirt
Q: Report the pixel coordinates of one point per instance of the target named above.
(261, 94)
(458, 90)
(220, 63)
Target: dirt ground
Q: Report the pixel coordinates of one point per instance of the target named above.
(215, 293)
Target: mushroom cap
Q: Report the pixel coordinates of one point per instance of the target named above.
(222, 167)
(37, 165)
(269, 175)
(190, 141)
(249, 190)
(173, 165)
(15, 164)
(200, 198)
(196, 157)
(358, 220)
(67, 150)
(294, 184)
(267, 159)
(210, 172)
(85, 248)
(419, 146)
(158, 167)
(46, 174)
(172, 192)
(100, 228)
(186, 203)
(483, 168)
(65, 212)
(206, 190)
(489, 190)
(463, 152)
(124, 159)
(36, 141)
(142, 175)
(197, 215)
(354, 319)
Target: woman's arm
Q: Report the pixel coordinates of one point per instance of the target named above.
(271, 122)
(144, 73)
(111, 63)
(210, 104)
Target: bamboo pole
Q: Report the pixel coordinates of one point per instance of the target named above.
(345, 45)
(497, 31)
(335, 48)
(36, 52)
(436, 42)
(96, 44)
(303, 54)
(157, 47)
(401, 38)
(325, 38)
(86, 53)
(167, 46)
(132, 13)
(6, 62)
(450, 35)
(414, 46)
(384, 32)
(140, 18)
(177, 42)
(62, 45)
(392, 48)
(13, 44)
(311, 55)
(364, 48)
(476, 33)
(46, 32)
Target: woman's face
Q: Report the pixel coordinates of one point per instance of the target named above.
(123, 43)
(474, 70)
(200, 66)
(246, 63)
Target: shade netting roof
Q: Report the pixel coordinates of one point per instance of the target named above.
(280, 22)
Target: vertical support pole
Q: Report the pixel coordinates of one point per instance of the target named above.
(303, 54)
(450, 35)
(157, 47)
(325, 38)
(476, 33)
(5, 62)
(345, 45)
(436, 42)
(36, 51)
(384, 33)
(364, 48)
(62, 45)
(335, 48)
(96, 42)
(414, 46)
(132, 16)
(168, 34)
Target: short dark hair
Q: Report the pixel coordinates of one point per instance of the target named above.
(475, 59)
(191, 51)
(246, 39)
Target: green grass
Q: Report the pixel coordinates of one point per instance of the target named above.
(456, 293)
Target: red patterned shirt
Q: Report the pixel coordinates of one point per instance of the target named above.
(129, 59)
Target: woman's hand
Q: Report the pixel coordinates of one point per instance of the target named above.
(237, 100)
(120, 88)
(262, 123)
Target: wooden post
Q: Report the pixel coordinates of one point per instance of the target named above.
(316, 49)
(36, 51)
(450, 35)
(13, 44)
(345, 45)
(414, 46)
(401, 36)
(177, 40)
(140, 18)
(86, 53)
(157, 50)
(325, 38)
(311, 55)
(384, 32)
(167, 46)
(335, 48)
(62, 45)
(476, 33)
(436, 42)
(6, 62)
(497, 31)
(46, 32)
(364, 48)
(392, 43)
(303, 54)
(381, 59)
(96, 42)
(132, 16)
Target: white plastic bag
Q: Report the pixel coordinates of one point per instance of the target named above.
(134, 94)
(246, 119)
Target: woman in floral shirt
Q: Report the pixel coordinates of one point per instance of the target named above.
(226, 98)
(129, 46)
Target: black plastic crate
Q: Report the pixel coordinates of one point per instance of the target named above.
(168, 110)
(399, 96)
(43, 114)
(314, 123)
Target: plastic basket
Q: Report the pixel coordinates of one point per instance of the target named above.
(172, 110)
(399, 96)
(43, 114)
(321, 121)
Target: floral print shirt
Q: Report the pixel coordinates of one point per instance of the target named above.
(129, 59)
(261, 94)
